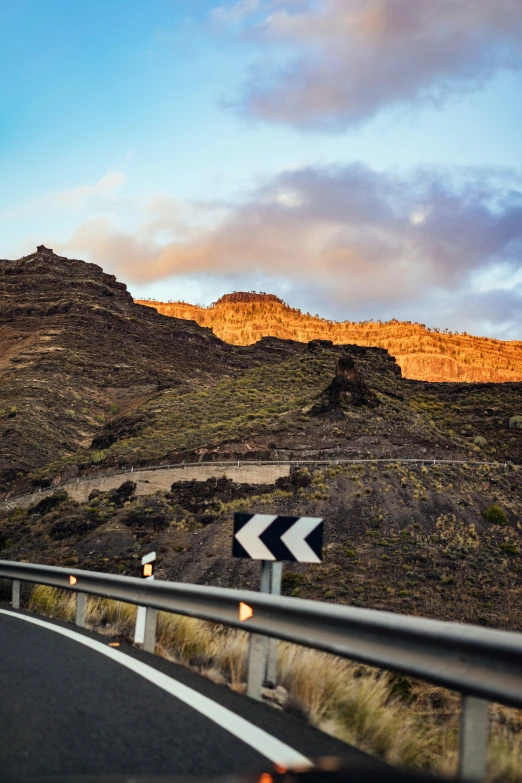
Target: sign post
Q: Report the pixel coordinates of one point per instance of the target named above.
(271, 663)
(272, 538)
(257, 648)
(145, 630)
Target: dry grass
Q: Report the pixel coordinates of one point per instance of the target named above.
(352, 702)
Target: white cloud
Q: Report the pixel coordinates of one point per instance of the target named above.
(75, 198)
(349, 239)
(233, 13)
(338, 63)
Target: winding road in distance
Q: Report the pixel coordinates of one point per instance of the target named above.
(71, 704)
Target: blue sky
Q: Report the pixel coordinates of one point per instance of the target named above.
(191, 147)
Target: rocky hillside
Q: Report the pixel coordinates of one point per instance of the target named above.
(423, 354)
(441, 541)
(75, 350)
(90, 380)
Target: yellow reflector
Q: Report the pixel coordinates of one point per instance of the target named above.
(72, 580)
(245, 611)
(147, 569)
(114, 644)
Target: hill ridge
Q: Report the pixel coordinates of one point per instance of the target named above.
(426, 354)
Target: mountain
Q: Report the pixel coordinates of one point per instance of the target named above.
(89, 377)
(423, 354)
(91, 380)
(74, 347)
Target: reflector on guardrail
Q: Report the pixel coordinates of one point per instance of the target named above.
(245, 611)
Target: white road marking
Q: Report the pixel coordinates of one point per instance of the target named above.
(258, 739)
(294, 539)
(249, 534)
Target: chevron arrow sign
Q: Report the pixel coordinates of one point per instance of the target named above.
(272, 537)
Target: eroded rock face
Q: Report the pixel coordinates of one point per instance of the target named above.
(347, 388)
(423, 354)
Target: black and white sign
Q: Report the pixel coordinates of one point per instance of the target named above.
(272, 537)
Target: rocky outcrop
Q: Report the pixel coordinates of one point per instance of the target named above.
(423, 354)
(347, 388)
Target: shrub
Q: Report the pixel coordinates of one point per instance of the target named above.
(515, 422)
(71, 526)
(155, 514)
(510, 549)
(48, 503)
(291, 579)
(98, 456)
(301, 477)
(401, 688)
(495, 515)
(114, 409)
(123, 493)
(479, 441)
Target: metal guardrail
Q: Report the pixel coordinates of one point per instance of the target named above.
(250, 463)
(483, 664)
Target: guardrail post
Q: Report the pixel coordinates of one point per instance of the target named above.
(258, 645)
(151, 619)
(80, 609)
(15, 597)
(474, 725)
(271, 665)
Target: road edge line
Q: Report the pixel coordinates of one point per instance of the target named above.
(267, 745)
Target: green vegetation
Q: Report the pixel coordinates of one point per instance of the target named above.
(291, 580)
(229, 409)
(479, 441)
(515, 422)
(510, 549)
(495, 515)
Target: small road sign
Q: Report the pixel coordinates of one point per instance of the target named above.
(147, 565)
(273, 537)
(147, 572)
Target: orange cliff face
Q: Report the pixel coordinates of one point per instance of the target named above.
(244, 318)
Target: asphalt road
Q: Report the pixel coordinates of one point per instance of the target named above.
(68, 708)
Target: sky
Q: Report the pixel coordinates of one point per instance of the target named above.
(362, 159)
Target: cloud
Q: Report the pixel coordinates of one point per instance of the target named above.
(233, 13)
(341, 62)
(81, 196)
(77, 196)
(356, 242)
